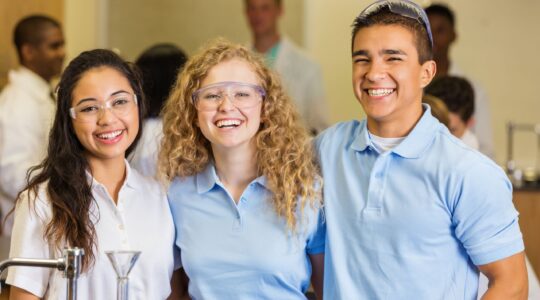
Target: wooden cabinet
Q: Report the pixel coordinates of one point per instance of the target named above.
(527, 202)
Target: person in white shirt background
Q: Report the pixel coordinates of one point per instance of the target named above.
(442, 20)
(84, 194)
(26, 104)
(159, 67)
(300, 74)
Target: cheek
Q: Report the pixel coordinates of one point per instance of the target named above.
(82, 131)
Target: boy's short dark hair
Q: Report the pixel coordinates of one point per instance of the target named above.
(443, 11)
(456, 92)
(385, 16)
(30, 29)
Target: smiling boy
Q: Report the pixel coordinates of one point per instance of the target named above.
(411, 213)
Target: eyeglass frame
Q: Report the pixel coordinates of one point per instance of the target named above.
(408, 9)
(196, 93)
(103, 105)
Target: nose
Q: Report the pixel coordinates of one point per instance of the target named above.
(105, 116)
(226, 103)
(375, 71)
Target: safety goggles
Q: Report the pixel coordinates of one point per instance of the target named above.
(241, 95)
(90, 110)
(403, 8)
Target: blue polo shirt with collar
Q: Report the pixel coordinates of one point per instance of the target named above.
(244, 250)
(413, 222)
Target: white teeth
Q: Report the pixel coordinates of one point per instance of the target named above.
(110, 135)
(379, 92)
(227, 123)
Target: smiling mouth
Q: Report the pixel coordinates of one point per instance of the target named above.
(379, 92)
(228, 123)
(110, 135)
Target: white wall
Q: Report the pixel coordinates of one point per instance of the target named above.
(137, 24)
(498, 46)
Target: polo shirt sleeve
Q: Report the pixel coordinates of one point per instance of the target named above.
(27, 241)
(484, 216)
(316, 239)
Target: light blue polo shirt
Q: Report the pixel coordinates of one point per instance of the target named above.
(413, 222)
(244, 250)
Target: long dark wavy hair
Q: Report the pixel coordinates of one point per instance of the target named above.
(64, 169)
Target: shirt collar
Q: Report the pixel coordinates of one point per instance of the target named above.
(207, 179)
(420, 137)
(413, 145)
(361, 137)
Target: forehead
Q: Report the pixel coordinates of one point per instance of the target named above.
(261, 3)
(384, 37)
(235, 69)
(101, 82)
(51, 34)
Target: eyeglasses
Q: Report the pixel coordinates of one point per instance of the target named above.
(241, 95)
(403, 8)
(89, 110)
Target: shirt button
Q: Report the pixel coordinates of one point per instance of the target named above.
(121, 226)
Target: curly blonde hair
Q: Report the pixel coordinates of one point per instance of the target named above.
(284, 150)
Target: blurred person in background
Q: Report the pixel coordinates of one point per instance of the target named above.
(27, 105)
(300, 74)
(159, 66)
(443, 24)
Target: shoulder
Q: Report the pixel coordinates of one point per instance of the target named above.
(465, 165)
(34, 204)
(181, 186)
(146, 185)
(339, 133)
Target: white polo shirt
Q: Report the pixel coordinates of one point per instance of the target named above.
(141, 220)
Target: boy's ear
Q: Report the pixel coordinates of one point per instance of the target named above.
(429, 69)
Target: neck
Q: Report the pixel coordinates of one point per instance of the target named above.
(111, 173)
(394, 128)
(31, 68)
(235, 169)
(265, 42)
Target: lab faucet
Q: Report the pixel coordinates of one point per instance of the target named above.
(70, 264)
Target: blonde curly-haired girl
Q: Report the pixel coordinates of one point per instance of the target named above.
(245, 190)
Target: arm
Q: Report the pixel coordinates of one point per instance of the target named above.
(16, 293)
(179, 285)
(30, 219)
(317, 274)
(507, 278)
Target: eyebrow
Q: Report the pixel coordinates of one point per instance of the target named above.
(94, 99)
(384, 51)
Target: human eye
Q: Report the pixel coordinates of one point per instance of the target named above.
(88, 109)
(395, 58)
(243, 93)
(120, 101)
(211, 96)
(361, 59)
